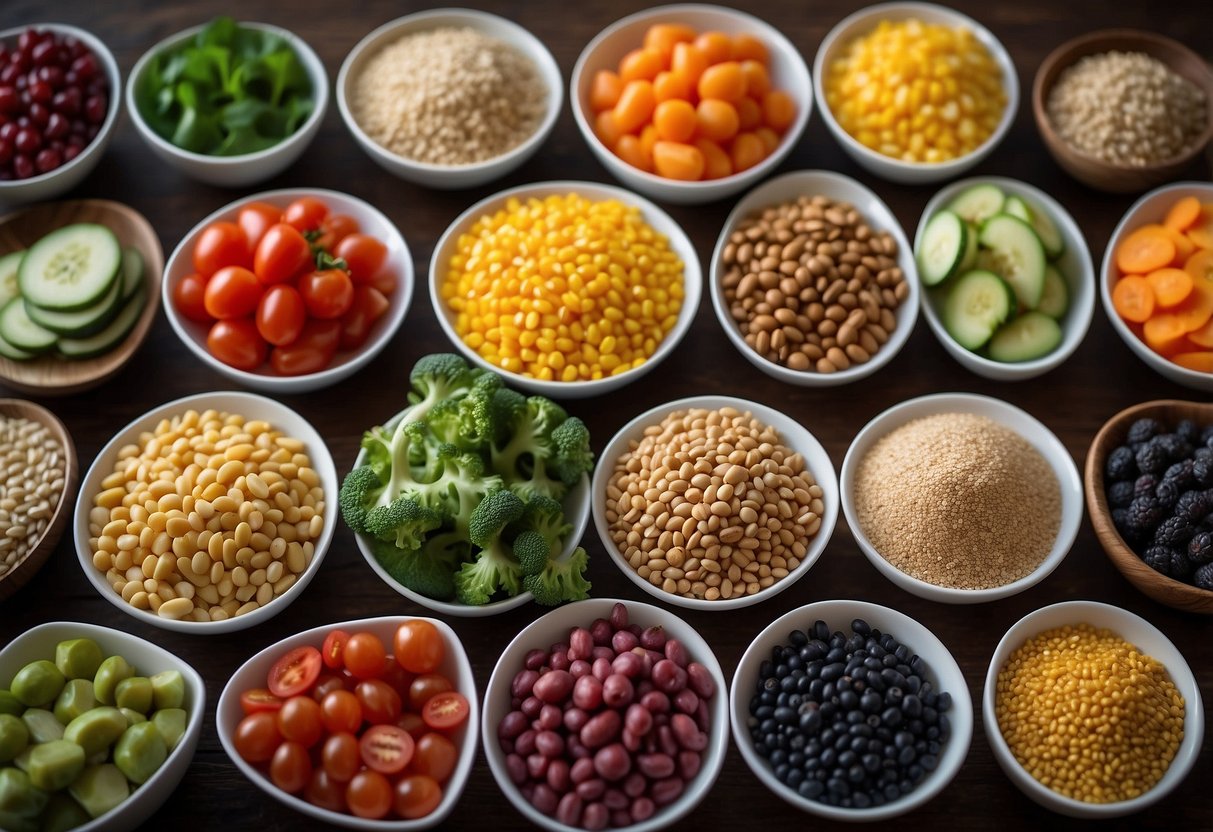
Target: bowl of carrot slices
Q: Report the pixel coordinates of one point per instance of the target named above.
(1157, 282)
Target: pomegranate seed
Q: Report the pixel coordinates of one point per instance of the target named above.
(45, 53)
(41, 92)
(8, 131)
(39, 114)
(9, 99)
(57, 126)
(67, 101)
(6, 151)
(27, 40)
(23, 166)
(48, 160)
(28, 140)
(71, 152)
(85, 67)
(94, 108)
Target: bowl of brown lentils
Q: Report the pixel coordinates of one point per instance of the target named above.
(813, 280)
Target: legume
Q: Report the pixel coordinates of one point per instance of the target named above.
(564, 288)
(179, 528)
(1088, 715)
(958, 500)
(710, 504)
(32, 471)
(811, 285)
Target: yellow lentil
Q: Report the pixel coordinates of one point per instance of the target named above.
(564, 288)
(918, 92)
(1088, 715)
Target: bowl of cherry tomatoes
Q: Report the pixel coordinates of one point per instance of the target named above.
(369, 724)
(289, 291)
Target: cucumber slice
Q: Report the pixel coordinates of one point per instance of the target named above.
(1016, 207)
(13, 353)
(1050, 236)
(108, 338)
(82, 322)
(132, 272)
(9, 264)
(1055, 299)
(944, 246)
(977, 304)
(17, 328)
(1030, 336)
(971, 250)
(72, 268)
(1019, 255)
(978, 204)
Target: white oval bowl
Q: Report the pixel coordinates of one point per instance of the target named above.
(554, 628)
(148, 659)
(253, 673)
(659, 220)
(1149, 640)
(250, 406)
(1074, 265)
(942, 671)
(346, 362)
(787, 69)
(791, 433)
(1007, 415)
(875, 213)
(863, 22)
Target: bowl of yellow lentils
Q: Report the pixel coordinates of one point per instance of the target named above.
(915, 92)
(569, 289)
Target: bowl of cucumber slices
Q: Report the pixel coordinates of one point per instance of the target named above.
(78, 293)
(1008, 284)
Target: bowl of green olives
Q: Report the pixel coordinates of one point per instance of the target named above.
(97, 728)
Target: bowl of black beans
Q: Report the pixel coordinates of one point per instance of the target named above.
(851, 711)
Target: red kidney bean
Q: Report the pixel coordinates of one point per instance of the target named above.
(603, 653)
(524, 682)
(558, 776)
(531, 706)
(568, 811)
(549, 743)
(601, 668)
(591, 789)
(544, 798)
(653, 638)
(579, 668)
(666, 741)
(627, 664)
(577, 750)
(701, 680)
(612, 762)
(575, 719)
(615, 799)
(687, 733)
(601, 729)
(666, 791)
(558, 647)
(596, 816)
(623, 641)
(621, 817)
(630, 741)
(515, 766)
(643, 686)
(560, 661)
(554, 687)
(535, 659)
(587, 692)
(638, 720)
(655, 702)
(667, 677)
(525, 743)
(536, 766)
(646, 660)
(703, 717)
(617, 691)
(511, 725)
(581, 643)
(689, 763)
(686, 701)
(549, 719)
(581, 770)
(507, 746)
(619, 617)
(655, 766)
(527, 790)
(642, 809)
(676, 652)
(602, 631)
(635, 629)
(635, 785)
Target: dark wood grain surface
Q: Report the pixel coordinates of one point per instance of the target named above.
(1074, 400)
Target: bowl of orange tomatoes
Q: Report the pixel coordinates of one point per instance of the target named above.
(289, 291)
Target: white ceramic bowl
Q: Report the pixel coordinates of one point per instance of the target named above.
(451, 176)
(346, 362)
(1150, 208)
(864, 21)
(251, 406)
(554, 628)
(791, 433)
(1074, 264)
(148, 659)
(46, 186)
(253, 673)
(787, 69)
(1150, 641)
(875, 213)
(1034, 432)
(942, 671)
(249, 168)
(659, 220)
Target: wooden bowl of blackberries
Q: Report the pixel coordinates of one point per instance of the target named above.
(1149, 489)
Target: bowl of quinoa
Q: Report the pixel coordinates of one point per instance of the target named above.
(961, 498)
(450, 98)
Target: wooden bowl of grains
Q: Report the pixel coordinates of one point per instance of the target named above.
(38, 472)
(1124, 110)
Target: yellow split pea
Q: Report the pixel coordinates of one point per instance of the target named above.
(564, 288)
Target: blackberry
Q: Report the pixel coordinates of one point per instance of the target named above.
(1188, 432)
(1143, 430)
(1202, 454)
(1193, 505)
(1151, 459)
(1159, 559)
(1203, 577)
(1202, 472)
(1181, 566)
(1181, 473)
(1120, 494)
(1174, 447)
(1144, 485)
(1200, 548)
(1206, 436)
(1120, 519)
(1120, 465)
(1144, 513)
(1174, 531)
(1167, 493)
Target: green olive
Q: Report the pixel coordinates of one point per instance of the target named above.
(42, 725)
(100, 788)
(13, 823)
(18, 795)
(77, 698)
(168, 687)
(63, 813)
(96, 730)
(140, 752)
(14, 737)
(170, 722)
(112, 671)
(38, 683)
(78, 658)
(54, 765)
(10, 704)
(132, 717)
(134, 693)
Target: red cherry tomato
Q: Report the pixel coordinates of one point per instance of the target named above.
(188, 297)
(232, 292)
(257, 737)
(369, 304)
(418, 646)
(220, 244)
(416, 796)
(290, 767)
(334, 646)
(381, 704)
(325, 792)
(305, 213)
(295, 672)
(258, 700)
(363, 254)
(385, 282)
(435, 756)
(369, 794)
(445, 711)
(280, 314)
(365, 655)
(397, 677)
(386, 748)
(328, 293)
(341, 711)
(310, 352)
(426, 687)
(237, 343)
(341, 757)
(334, 229)
(281, 255)
(326, 684)
(255, 219)
(412, 722)
(301, 721)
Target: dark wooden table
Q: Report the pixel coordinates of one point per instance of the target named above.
(1074, 400)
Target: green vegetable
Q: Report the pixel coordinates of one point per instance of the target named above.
(38, 683)
(495, 566)
(134, 693)
(228, 91)
(429, 571)
(14, 737)
(100, 788)
(560, 580)
(78, 658)
(77, 698)
(18, 796)
(168, 689)
(96, 730)
(171, 723)
(42, 725)
(140, 752)
(54, 765)
(112, 671)
(63, 813)
(10, 704)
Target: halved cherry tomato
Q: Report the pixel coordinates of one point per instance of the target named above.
(295, 672)
(425, 687)
(237, 343)
(363, 254)
(341, 711)
(369, 304)
(364, 655)
(380, 703)
(188, 298)
(281, 255)
(220, 244)
(328, 293)
(310, 352)
(280, 314)
(325, 792)
(412, 722)
(435, 756)
(334, 646)
(386, 748)
(385, 282)
(255, 219)
(341, 757)
(258, 700)
(257, 737)
(418, 646)
(291, 768)
(334, 229)
(301, 720)
(416, 796)
(446, 710)
(369, 794)
(232, 292)
(305, 213)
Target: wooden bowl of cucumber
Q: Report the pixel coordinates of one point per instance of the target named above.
(79, 288)
(1008, 283)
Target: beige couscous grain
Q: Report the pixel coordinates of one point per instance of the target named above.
(33, 468)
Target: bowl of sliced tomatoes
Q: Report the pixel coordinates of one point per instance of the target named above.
(289, 291)
(368, 724)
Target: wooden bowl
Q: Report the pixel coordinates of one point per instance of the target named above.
(48, 375)
(24, 569)
(1097, 173)
(1158, 586)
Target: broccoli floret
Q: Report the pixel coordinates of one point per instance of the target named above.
(523, 462)
(506, 410)
(532, 551)
(430, 571)
(467, 422)
(353, 497)
(496, 511)
(560, 581)
(438, 377)
(494, 568)
(462, 485)
(403, 522)
(572, 457)
(541, 528)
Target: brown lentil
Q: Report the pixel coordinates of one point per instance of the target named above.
(710, 504)
(1088, 715)
(958, 500)
(173, 525)
(811, 285)
(32, 472)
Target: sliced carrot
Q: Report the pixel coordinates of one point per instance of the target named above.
(1201, 362)
(1164, 333)
(1203, 336)
(1201, 232)
(1133, 298)
(1184, 247)
(1146, 249)
(1170, 286)
(1197, 308)
(1200, 265)
(1183, 214)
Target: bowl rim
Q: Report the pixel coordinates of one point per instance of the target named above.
(113, 75)
(307, 57)
(824, 180)
(1178, 670)
(322, 463)
(961, 714)
(705, 188)
(535, 50)
(452, 791)
(653, 215)
(998, 51)
(804, 443)
(1051, 449)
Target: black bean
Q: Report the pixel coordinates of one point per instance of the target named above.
(821, 631)
(833, 670)
(944, 703)
(812, 789)
(911, 706)
(798, 638)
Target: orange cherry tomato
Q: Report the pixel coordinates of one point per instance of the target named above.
(255, 219)
(385, 282)
(413, 723)
(295, 672)
(281, 314)
(220, 244)
(341, 711)
(418, 646)
(326, 684)
(425, 687)
(341, 757)
(363, 254)
(281, 255)
(327, 293)
(369, 794)
(189, 298)
(325, 792)
(310, 352)
(238, 344)
(445, 710)
(435, 756)
(232, 292)
(305, 213)
(381, 704)
(259, 699)
(257, 737)
(291, 767)
(301, 720)
(364, 655)
(416, 796)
